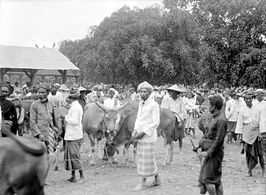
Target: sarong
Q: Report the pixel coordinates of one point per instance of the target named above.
(72, 155)
(211, 170)
(146, 164)
(263, 143)
(252, 153)
(231, 126)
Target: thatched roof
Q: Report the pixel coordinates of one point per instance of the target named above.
(16, 57)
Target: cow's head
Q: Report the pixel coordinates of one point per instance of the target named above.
(112, 119)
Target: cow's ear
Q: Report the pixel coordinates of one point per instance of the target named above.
(101, 106)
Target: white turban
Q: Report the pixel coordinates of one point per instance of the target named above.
(145, 85)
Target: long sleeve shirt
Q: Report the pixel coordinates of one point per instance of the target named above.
(148, 120)
(41, 118)
(73, 122)
(177, 106)
(246, 115)
(216, 133)
(262, 116)
(112, 103)
(232, 109)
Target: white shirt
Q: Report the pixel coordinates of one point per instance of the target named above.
(0, 118)
(232, 109)
(246, 116)
(111, 103)
(177, 106)
(73, 122)
(262, 116)
(148, 120)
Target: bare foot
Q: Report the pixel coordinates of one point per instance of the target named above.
(140, 187)
(81, 181)
(72, 179)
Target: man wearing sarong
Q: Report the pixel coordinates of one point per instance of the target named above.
(9, 113)
(232, 109)
(262, 120)
(248, 126)
(41, 119)
(176, 104)
(145, 132)
(73, 137)
(211, 170)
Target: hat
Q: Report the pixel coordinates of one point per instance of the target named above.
(145, 85)
(82, 88)
(112, 89)
(260, 91)
(63, 87)
(74, 94)
(176, 88)
(10, 88)
(203, 89)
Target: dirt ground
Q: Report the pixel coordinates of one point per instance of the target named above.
(179, 178)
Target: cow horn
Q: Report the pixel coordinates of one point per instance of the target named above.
(101, 106)
(121, 107)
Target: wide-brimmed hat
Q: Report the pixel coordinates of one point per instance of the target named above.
(63, 87)
(204, 89)
(10, 88)
(74, 94)
(176, 88)
(82, 89)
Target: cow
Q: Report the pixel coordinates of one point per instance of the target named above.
(24, 165)
(168, 126)
(99, 122)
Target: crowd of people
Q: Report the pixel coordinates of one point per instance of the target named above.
(239, 113)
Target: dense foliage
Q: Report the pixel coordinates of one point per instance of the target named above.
(185, 41)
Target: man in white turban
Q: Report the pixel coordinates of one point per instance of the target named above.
(145, 133)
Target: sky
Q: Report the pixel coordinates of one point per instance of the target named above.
(43, 22)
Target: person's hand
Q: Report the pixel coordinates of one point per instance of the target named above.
(203, 154)
(139, 135)
(134, 134)
(260, 137)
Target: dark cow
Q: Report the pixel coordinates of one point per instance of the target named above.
(168, 125)
(99, 122)
(24, 165)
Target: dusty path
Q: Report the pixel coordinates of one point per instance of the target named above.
(179, 178)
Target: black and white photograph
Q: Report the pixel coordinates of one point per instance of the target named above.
(135, 97)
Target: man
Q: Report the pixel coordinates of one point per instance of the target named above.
(262, 121)
(232, 109)
(62, 93)
(248, 126)
(9, 113)
(175, 103)
(211, 170)
(41, 119)
(82, 98)
(132, 96)
(111, 102)
(145, 132)
(74, 137)
(53, 99)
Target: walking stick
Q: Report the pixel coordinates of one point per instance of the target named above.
(195, 149)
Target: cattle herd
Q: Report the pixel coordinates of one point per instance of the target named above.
(24, 160)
